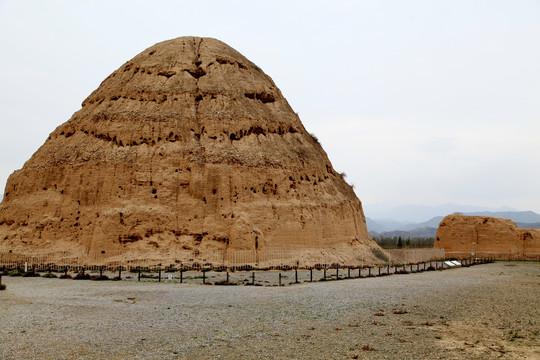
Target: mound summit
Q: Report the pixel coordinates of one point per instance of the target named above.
(189, 146)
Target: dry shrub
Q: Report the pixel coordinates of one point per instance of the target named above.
(100, 278)
(224, 282)
(82, 276)
(30, 274)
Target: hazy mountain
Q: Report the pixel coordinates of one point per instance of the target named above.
(528, 225)
(380, 225)
(515, 216)
(391, 227)
(432, 223)
(420, 213)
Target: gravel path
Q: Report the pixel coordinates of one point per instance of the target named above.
(482, 312)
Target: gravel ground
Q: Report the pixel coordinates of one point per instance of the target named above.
(482, 312)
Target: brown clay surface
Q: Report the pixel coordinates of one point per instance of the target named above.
(468, 234)
(191, 146)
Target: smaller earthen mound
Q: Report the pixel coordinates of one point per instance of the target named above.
(462, 235)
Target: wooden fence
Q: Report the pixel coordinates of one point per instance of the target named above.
(512, 254)
(208, 259)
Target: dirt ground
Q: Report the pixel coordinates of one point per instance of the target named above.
(483, 312)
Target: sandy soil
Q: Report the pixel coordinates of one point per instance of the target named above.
(482, 312)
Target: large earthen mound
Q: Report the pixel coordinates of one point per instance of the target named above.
(188, 146)
(486, 236)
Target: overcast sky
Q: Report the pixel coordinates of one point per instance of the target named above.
(418, 102)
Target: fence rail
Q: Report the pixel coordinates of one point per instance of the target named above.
(514, 254)
(234, 259)
(209, 259)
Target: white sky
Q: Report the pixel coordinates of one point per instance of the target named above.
(419, 102)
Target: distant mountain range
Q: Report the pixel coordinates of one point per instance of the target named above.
(391, 227)
(421, 213)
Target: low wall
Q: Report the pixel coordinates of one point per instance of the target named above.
(182, 259)
(414, 256)
(209, 259)
(515, 254)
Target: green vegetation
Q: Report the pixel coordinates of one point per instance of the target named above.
(15, 272)
(2, 286)
(397, 242)
(151, 276)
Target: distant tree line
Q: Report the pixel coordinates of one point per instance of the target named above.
(397, 242)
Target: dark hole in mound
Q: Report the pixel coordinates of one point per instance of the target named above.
(266, 98)
(167, 73)
(197, 73)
